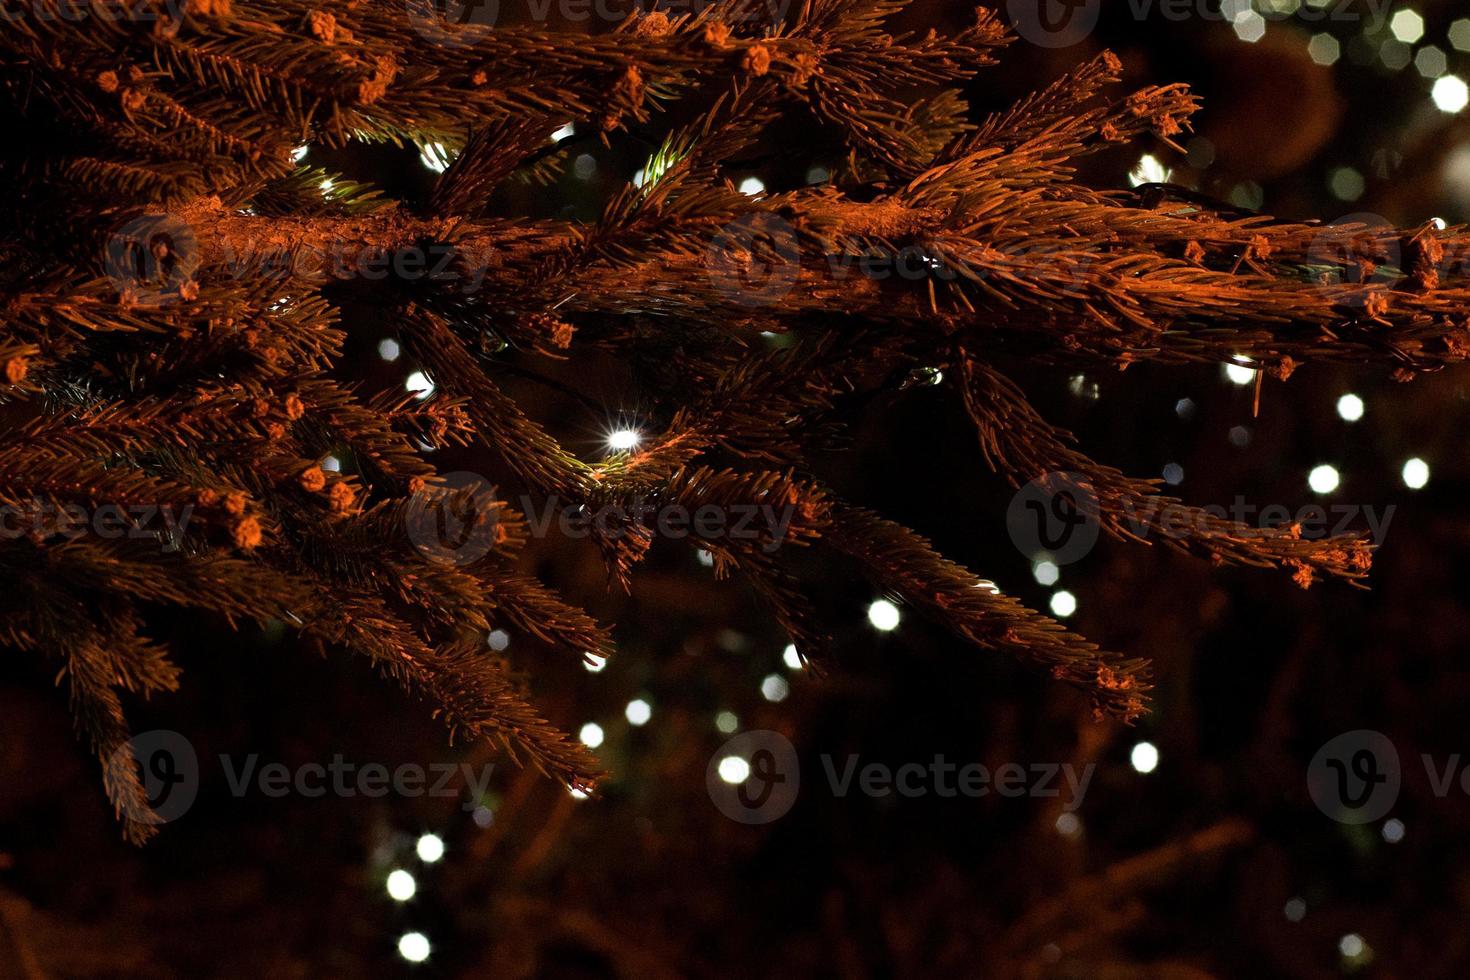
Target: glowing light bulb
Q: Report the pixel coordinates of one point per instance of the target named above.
(430, 848)
(401, 886)
(734, 770)
(1416, 474)
(1323, 479)
(1063, 604)
(420, 384)
(1450, 94)
(591, 735)
(774, 688)
(790, 657)
(884, 615)
(1240, 374)
(622, 440)
(638, 712)
(1145, 757)
(1350, 407)
(414, 947)
(594, 663)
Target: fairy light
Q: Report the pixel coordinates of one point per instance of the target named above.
(726, 722)
(498, 640)
(1395, 54)
(774, 688)
(401, 886)
(414, 947)
(638, 712)
(1407, 26)
(622, 440)
(1393, 830)
(1249, 26)
(1149, 171)
(1450, 94)
(594, 664)
(435, 157)
(576, 793)
(734, 770)
(564, 132)
(790, 657)
(1346, 184)
(1431, 62)
(419, 384)
(1063, 603)
(1350, 407)
(752, 187)
(1068, 825)
(884, 615)
(1352, 947)
(1323, 478)
(1416, 473)
(1046, 572)
(1144, 757)
(430, 848)
(1239, 373)
(388, 349)
(591, 735)
(1295, 909)
(1460, 35)
(1173, 474)
(1324, 49)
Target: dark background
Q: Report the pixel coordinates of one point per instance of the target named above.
(1186, 871)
